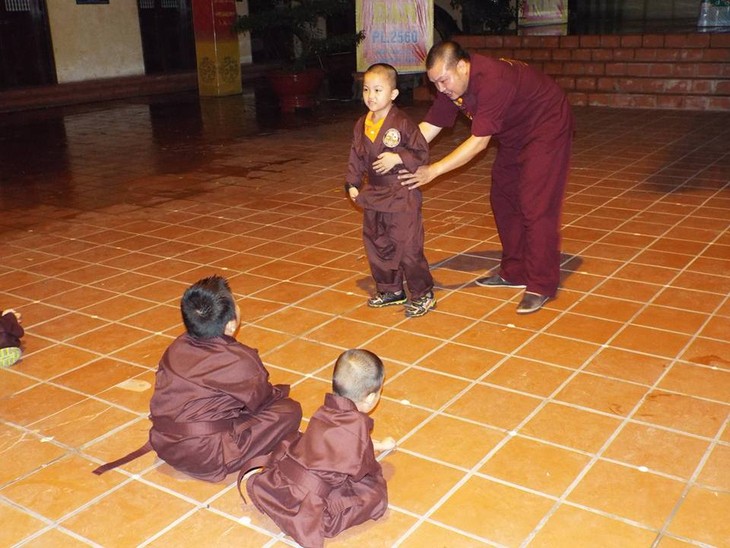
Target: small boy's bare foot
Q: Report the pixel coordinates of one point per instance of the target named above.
(386, 444)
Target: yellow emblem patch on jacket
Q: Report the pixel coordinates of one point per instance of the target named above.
(391, 139)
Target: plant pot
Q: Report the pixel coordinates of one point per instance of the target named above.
(296, 89)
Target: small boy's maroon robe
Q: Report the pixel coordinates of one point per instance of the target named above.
(213, 407)
(325, 481)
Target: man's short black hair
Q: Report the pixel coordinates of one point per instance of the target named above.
(448, 51)
(207, 306)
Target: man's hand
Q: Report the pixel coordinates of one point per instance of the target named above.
(353, 192)
(422, 176)
(385, 162)
(455, 159)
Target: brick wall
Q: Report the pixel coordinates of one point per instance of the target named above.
(673, 71)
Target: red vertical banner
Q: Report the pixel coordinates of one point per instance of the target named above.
(397, 32)
(216, 47)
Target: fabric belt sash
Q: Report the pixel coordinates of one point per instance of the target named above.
(191, 429)
(146, 448)
(167, 426)
(299, 475)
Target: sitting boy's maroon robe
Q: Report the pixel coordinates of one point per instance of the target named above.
(325, 481)
(214, 408)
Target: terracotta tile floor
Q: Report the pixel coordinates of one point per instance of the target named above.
(600, 421)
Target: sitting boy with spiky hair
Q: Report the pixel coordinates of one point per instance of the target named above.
(213, 407)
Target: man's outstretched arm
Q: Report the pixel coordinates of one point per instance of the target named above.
(461, 155)
(429, 131)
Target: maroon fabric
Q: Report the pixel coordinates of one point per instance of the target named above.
(393, 233)
(394, 246)
(146, 448)
(325, 481)
(208, 381)
(530, 116)
(10, 331)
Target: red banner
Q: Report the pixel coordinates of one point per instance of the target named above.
(213, 19)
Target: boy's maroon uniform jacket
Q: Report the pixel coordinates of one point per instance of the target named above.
(384, 192)
(326, 480)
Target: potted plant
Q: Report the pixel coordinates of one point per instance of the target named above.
(488, 16)
(301, 41)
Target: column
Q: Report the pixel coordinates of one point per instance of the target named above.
(216, 47)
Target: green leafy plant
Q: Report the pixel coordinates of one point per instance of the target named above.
(295, 27)
(487, 16)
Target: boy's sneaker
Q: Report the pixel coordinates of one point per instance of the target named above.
(8, 356)
(386, 298)
(418, 307)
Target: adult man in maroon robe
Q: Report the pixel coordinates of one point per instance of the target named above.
(530, 116)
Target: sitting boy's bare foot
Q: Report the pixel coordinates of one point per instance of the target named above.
(385, 444)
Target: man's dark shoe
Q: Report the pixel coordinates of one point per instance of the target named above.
(531, 302)
(386, 298)
(497, 281)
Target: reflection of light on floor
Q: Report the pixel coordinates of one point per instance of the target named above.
(134, 385)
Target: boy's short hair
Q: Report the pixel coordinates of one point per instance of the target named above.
(358, 373)
(386, 70)
(207, 306)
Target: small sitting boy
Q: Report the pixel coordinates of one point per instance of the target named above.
(213, 407)
(10, 333)
(328, 480)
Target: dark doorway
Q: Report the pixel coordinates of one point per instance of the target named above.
(26, 58)
(168, 38)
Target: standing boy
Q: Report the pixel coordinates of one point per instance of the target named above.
(328, 480)
(386, 141)
(213, 407)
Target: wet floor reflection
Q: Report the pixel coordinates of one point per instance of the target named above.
(80, 156)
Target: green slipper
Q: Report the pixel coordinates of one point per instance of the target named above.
(8, 356)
